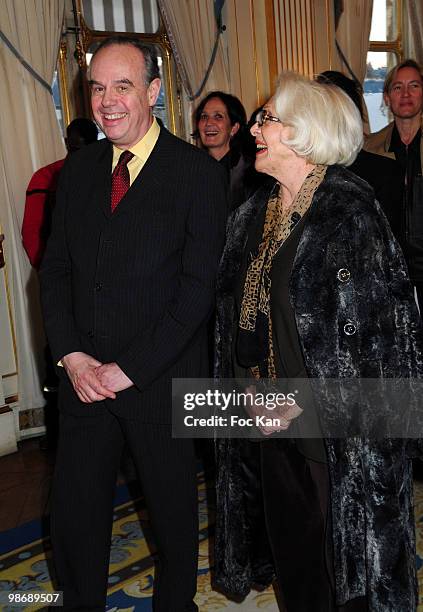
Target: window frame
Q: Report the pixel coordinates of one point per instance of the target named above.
(391, 46)
(394, 46)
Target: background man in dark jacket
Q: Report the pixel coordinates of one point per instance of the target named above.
(127, 287)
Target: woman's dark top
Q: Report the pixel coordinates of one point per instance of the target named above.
(243, 178)
(289, 361)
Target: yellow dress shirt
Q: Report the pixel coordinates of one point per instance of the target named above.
(141, 151)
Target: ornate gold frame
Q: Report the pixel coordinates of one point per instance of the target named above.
(160, 38)
(393, 46)
(63, 80)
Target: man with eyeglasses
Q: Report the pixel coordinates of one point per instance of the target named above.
(402, 140)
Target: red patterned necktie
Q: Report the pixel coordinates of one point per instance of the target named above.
(120, 178)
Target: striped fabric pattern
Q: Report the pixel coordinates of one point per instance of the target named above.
(122, 15)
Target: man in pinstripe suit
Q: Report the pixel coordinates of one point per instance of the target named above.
(127, 289)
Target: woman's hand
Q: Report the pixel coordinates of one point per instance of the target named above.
(273, 420)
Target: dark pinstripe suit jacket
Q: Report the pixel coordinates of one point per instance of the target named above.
(135, 287)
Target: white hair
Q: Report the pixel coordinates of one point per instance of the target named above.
(326, 127)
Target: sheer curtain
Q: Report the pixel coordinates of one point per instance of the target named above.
(413, 29)
(191, 27)
(352, 35)
(30, 137)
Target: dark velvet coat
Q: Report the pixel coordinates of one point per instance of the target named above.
(371, 481)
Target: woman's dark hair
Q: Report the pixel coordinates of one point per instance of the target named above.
(350, 87)
(236, 113)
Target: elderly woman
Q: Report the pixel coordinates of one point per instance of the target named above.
(313, 285)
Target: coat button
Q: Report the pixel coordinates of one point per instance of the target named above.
(90, 334)
(343, 275)
(350, 328)
(98, 286)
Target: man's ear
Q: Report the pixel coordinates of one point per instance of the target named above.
(153, 91)
(386, 99)
(234, 129)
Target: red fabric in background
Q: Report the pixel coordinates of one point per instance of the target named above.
(40, 193)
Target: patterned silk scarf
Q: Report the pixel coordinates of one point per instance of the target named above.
(255, 325)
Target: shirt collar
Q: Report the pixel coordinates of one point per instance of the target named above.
(396, 142)
(143, 147)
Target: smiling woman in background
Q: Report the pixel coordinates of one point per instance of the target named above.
(219, 118)
(312, 285)
(221, 129)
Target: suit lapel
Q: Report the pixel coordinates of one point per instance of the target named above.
(103, 179)
(150, 178)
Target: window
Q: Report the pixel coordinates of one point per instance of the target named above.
(384, 53)
(57, 100)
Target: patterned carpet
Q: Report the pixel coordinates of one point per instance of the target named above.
(131, 566)
(131, 571)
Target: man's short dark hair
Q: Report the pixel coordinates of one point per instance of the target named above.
(350, 87)
(149, 53)
(83, 127)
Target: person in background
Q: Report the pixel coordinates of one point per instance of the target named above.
(312, 285)
(41, 191)
(36, 226)
(402, 140)
(382, 173)
(221, 129)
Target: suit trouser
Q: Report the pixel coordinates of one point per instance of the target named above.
(87, 463)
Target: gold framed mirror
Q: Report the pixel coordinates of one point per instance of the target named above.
(85, 39)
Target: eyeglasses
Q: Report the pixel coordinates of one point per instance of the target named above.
(264, 115)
